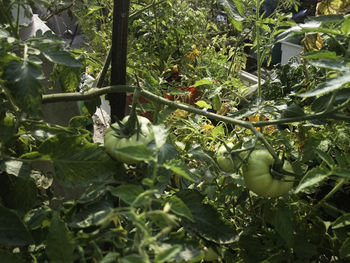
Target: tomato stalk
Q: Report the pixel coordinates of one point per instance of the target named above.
(335, 189)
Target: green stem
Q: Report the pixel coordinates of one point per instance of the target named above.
(258, 55)
(335, 189)
(99, 81)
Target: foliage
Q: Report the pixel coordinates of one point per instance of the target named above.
(64, 199)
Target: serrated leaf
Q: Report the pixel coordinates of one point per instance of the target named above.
(341, 221)
(345, 28)
(35, 217)
(202, 82)
(312, 178)
(345, 249)
(93, 215)
(61, 57)
(12, 231)
(128, 193)
(329, 86)
(178, 207)
(216, 101)
(136, 153)
(180, 170)
(284, 225)
(322, 54)
(111, 257)
(292, 111)
(218, 130)
(167, 254)
(325, 157)
(330, 64)
(76, 160)
(203, 104)
(341, 171)
(26, 88)
(132, 259)
(59, 244)
(207, 221)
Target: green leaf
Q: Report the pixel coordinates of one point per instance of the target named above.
(59, 244)
(345, 249)
(76, 160)
(111, 257)
(62, 58)
(26, 88)
(207, 223)
(35, 217)
(329, 86)
(325, 157)
(218, 130)
(128, 193)
(137, 153)
(180, 170)
(322, 54)
(293, 111)
(132, 259)
(22, 196)
(216, 101)
(345, 28)
(12, 231)
(93, 215)
(167, 254)
(330, 64)
(313, 178)
(203, 104)
(341, 171)
(178, 207)
(202, 82)
(341, 221)
(240, 6)
(284, 225)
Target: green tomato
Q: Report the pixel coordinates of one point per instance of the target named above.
(258, 178)
(112, 142)
(224, 159)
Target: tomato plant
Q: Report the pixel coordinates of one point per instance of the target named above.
(115, 140)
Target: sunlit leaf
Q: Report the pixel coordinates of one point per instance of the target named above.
(178, 207)
(342, 221)
(313, 178)
(167, 254)
(93, 215)
(202, 82)
(329, 86)
(62, 58)
(76, 160)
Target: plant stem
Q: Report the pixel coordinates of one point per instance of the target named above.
(257, 38)
(331, 193)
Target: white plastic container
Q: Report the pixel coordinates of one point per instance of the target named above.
(290, 50)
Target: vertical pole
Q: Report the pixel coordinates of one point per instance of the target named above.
(119, 55)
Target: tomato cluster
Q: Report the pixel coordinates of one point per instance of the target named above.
(257, 171)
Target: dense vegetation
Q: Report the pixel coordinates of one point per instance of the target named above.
(222, 170)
